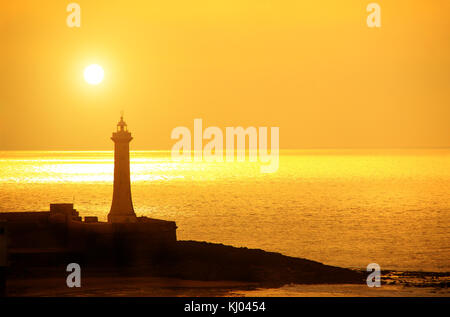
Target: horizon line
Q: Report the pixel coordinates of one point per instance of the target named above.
(281, 149)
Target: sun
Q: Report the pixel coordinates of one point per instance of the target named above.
(93, 74)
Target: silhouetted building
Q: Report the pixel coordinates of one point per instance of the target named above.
(122, 206)
(3, 258)
(55, 236)
(61, 235)
(2, 243)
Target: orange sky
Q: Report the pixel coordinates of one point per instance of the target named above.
(312, 68)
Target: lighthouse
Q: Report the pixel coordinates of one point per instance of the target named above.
(122, 206)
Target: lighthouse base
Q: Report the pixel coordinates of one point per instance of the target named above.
(122, 218)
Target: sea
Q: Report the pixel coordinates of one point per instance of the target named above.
(347, 208)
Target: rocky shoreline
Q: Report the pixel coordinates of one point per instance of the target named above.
(193, 268)
(211, 261)
(190, 261)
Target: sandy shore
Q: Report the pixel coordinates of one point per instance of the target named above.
(403, 284)
(344, 290)
(124, 286)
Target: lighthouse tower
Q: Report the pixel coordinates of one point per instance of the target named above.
(122, 205)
